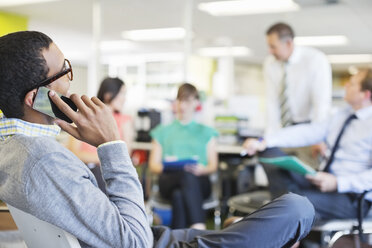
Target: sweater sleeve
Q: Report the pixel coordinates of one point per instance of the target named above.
(62, 191)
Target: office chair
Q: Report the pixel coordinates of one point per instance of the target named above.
(332, 230)
(212, 202)
(40, 234)
(247, 203)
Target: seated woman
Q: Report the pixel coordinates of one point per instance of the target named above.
(195, 144)
(112, 92)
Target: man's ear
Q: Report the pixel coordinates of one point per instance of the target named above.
(368, 95)
(30, 97)
(290, 43)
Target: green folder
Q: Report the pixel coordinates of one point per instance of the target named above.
(289, 163)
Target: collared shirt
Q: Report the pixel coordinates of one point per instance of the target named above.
(352, 164)
(12, 126)
(309, 86)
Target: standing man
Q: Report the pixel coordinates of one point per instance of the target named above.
(298, 81)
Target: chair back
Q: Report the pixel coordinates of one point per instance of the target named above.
(40, 234)
(159, 204)
(340, 232)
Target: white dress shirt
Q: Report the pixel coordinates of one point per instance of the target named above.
(352, 163)
(309, 86)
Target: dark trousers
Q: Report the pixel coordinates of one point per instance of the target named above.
(328, 205)
(186, 192)
(281, 223)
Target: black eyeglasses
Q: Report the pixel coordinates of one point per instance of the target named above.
(67, 70)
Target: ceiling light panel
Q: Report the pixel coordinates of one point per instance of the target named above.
(11, 3)
(117, 45)
(350, 58)
(224, 51)
(329, 40)
(158, 34)
(247, 7)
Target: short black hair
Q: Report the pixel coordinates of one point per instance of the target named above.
(283, 30)
(110, 85)
(22, 68)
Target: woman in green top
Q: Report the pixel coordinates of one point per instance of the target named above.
(184, 139)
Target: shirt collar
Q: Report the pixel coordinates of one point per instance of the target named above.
(364, 113)
(12, 126)
(184, 125)
(294, 57)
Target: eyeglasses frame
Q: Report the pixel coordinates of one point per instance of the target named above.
(53, 78)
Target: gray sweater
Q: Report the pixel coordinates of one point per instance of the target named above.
(41, 177)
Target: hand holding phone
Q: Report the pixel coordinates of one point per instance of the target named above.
(95, 123)
(45, 105)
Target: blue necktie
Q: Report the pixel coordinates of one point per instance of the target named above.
(335, 147)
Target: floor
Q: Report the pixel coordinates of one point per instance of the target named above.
(6, 222)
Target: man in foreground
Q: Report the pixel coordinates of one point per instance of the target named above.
(40, 177)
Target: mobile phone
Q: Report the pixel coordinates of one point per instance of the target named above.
(45, 105)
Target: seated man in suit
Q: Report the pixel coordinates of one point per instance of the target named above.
(347, 172)
(41, 177)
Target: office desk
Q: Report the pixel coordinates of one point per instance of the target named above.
(221, 149)
(146, 146)
(230, 154)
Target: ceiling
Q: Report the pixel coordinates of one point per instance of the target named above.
(72, 20)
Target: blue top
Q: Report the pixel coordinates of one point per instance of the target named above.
(184, 141)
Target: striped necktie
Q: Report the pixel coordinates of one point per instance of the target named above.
(285, 112)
